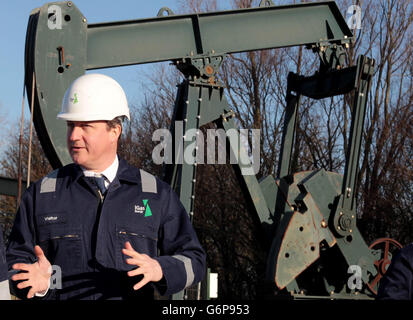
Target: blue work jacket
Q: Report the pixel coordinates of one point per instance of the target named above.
(397, 282)
(83, 235)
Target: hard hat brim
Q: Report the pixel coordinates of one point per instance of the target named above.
(82, 117)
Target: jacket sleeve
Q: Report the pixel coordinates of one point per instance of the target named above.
(22, 240)
(182, 258)
(397, 283)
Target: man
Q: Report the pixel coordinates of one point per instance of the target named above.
(111, 230)
(4, 283)
(397, 282)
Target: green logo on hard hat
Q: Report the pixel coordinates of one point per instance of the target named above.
(148, 211)
(74, 100)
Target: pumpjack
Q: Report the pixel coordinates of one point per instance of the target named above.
(309, 218)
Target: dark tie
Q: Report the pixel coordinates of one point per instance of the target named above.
(100, 182)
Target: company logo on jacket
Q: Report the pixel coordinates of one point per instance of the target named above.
(144, 209)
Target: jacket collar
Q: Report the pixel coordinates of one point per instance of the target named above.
(109, 173)
(128, 173)
(125, 172)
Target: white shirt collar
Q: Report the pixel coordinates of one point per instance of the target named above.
(109, 172)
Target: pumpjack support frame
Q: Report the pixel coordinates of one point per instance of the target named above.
(300, 218)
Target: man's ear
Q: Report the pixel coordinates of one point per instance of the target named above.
(115, 133)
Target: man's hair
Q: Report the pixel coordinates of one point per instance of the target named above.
(115, 122)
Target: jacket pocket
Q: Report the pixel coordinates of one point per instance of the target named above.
(142, 241)
(62, 246)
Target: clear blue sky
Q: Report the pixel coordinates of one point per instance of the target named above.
(14, 15)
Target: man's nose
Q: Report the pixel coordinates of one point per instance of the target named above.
(74, 133)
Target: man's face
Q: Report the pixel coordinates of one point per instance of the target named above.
(91, 144)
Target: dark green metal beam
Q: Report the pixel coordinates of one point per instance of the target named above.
(364, 72)
(174, 37)
(10, 186)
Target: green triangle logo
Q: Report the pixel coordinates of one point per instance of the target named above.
(148, 211)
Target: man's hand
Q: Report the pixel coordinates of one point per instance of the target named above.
(37, 274)
(148, 267)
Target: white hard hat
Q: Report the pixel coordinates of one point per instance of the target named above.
(93, 97)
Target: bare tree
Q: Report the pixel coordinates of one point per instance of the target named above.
(386, 168)
(153, 113)
(9, 168)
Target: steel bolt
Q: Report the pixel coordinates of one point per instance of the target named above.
(345, 222)
(209, 69)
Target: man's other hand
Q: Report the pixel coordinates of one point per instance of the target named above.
(37, 275)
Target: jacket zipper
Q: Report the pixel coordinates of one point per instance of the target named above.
(137, 235)
(68, 236)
